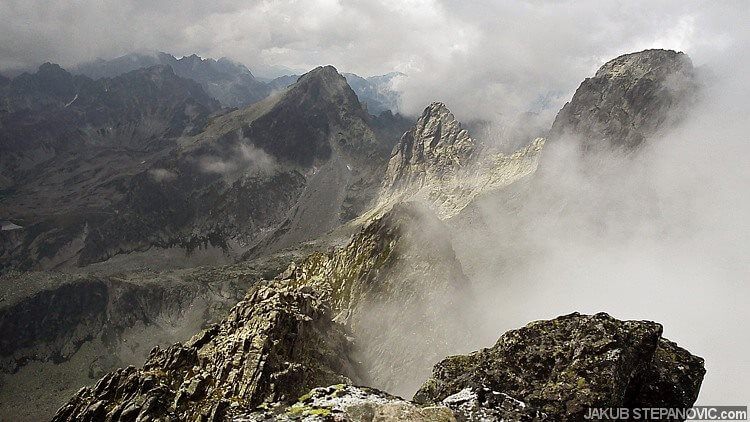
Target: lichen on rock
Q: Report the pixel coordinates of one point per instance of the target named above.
(569, 364)
(273, 346)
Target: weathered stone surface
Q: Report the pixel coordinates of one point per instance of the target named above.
(350, 404)
(566, 365)
(435, 146)
(274, 346)
(673, 379)
(436, 162)
(481, 404)
(630, 98)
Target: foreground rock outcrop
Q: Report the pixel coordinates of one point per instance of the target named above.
(273, 346)
(567, 365)
(363, 404)
(279, 356)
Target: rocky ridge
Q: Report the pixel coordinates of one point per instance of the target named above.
(272, 347)
(229, 82)
(400, 290)
(437, 162)
(548, 370)
(233, 84)
(308, 329)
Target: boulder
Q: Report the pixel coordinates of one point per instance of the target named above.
(567, 365)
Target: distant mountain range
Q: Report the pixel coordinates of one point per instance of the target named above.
(233, 84)
(92, 169)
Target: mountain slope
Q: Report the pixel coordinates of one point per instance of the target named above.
(69, 144)
(268, 176)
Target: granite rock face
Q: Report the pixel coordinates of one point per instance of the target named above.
(438, 163)
(566, 365)
(629, 99)
(433, 148)
(279, 356)
(273, 346)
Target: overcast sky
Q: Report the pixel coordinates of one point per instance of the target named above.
(488, 59)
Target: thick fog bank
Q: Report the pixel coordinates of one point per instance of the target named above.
(661, 234)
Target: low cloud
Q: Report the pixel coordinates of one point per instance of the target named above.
(162, 175)
(661, 235)
(248, 159)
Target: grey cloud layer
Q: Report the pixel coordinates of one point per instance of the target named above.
(485, 59)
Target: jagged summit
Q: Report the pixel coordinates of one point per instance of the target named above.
(436, 161)
(629, 99)
(436, 145)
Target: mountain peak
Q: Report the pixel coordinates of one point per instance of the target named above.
(52, 72)
(436, 161)
(328, 73)
(50, 68)
(434, 146)
(628, 100)
(440, 111)
(326, 81)
(638, 65)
